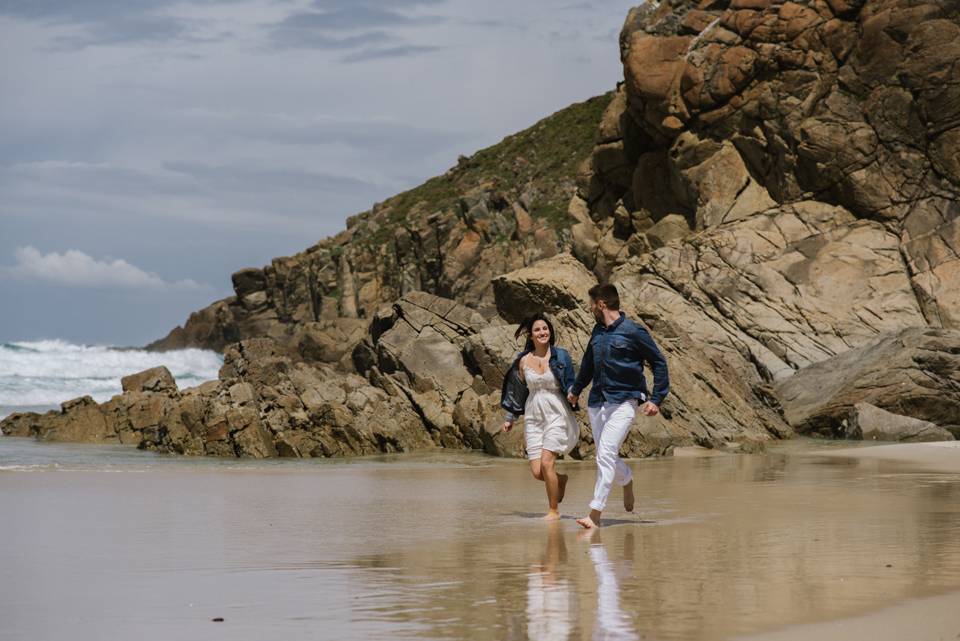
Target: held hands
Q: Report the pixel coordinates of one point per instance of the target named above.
(648, 409)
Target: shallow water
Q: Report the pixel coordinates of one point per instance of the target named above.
(111, 543)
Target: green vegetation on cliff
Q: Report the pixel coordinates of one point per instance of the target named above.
(541, 160)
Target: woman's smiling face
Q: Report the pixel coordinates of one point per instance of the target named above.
(540, 333)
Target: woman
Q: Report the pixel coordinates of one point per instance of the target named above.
(536, 386)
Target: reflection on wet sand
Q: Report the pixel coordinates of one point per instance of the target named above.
(552, 606)
(611, 621)
(553, 602)
(439, 548)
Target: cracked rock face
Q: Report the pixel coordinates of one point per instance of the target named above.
(913, 372)
(811, 148)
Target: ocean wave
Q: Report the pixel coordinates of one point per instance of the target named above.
(47, 373)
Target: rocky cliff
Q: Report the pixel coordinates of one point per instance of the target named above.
(501, 209)
(775, 188)
(783, 179)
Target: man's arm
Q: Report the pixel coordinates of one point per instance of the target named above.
(661, 376)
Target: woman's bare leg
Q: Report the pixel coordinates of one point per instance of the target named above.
(535, 469)
(562, 482)
(549, 475)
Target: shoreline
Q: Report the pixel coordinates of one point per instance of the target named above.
(942, 456)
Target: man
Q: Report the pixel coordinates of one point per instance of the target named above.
(614, 361)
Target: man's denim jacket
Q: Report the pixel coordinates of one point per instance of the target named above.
(614, 361)
(515, 392)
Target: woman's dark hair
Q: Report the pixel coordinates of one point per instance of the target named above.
(526, 328)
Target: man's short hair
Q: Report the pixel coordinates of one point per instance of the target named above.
(606, 293)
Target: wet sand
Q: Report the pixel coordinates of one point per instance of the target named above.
(935, 618)
(829, 544)
(942, 456)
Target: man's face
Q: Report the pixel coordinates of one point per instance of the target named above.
(596, 308)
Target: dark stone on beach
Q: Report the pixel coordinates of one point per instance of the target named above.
(870, 423)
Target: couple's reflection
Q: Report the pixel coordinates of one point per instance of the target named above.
(553, 611)
(611, 622)
(552, 607)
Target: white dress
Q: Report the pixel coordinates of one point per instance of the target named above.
(548, 420)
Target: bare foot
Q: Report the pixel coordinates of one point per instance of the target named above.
(562, 480)
(628, 496)
(587, 522)
(551, 516)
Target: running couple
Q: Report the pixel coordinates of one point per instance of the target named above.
(541, 385)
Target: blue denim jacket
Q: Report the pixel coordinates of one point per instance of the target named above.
(614, 361)
(513, 398)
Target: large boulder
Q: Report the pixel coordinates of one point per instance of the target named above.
(330, 342)
(549, 286)
(870, 423)
(156, 379)
(912, 372)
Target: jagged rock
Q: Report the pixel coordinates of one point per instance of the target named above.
(126, 419)
(912, 372)
(735, 116)
(931, 246)
(157, 379)
(330, 341)
(708, 405)
(213, 327)
(421, 350)
(778, 291)
(550, 286)
(870, 423)
(669, 228)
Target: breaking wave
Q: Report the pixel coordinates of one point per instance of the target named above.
(38, 376)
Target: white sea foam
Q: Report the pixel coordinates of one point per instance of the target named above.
(35, 376)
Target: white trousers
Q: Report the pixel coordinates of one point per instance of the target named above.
(610, 424)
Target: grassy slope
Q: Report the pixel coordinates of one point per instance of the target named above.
(543, 158)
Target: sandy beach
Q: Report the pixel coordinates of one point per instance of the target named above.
(931, 618)
(840, 544)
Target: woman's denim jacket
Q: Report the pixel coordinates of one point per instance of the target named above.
(514, 396)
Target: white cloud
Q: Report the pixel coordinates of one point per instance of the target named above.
(76, 269)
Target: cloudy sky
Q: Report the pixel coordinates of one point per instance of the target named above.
(149, 149)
